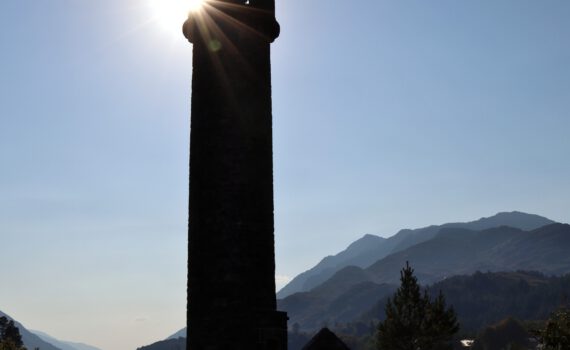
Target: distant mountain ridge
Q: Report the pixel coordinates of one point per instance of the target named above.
(176, 341)
(37, 339)
(180, 334)
(167, 344)
(370, 248)
(62, 344)
(31, 340)
(461, 251)
(448, 252)
(359, 253)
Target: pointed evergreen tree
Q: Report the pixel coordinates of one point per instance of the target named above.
(440, 324)
(413, 322)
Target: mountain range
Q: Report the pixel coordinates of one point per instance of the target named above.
(36, 339)
(180, 334)
(62, 344)
(167, 344)
(370, 248)
(444, 251)
(176, 341)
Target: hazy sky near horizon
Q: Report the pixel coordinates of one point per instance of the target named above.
(387, 115)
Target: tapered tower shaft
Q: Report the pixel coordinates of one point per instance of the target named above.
(231, 271)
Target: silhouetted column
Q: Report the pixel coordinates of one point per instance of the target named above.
(231, 268)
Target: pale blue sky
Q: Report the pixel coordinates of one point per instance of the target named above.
(387, 114)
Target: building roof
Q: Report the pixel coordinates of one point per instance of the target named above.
(325, 340)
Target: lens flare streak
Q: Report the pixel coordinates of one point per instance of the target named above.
(170, 14)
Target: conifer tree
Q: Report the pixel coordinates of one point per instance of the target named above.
(440, 324)
(413, 321)
(556, 336)
(10, 338)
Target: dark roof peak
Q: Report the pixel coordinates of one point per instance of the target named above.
(325, 340)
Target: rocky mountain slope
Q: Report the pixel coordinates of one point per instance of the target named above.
(369, 249)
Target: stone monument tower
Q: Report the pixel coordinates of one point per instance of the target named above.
(231, 263)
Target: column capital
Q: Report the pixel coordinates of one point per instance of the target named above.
(229, 18)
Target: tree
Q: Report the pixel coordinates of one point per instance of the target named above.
(556, 335)
(440, 324)
(10, 338)
(413, 321)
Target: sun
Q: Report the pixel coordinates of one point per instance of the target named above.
(170, 14)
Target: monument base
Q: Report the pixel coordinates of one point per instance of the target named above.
(272, 330)
(265, 330)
